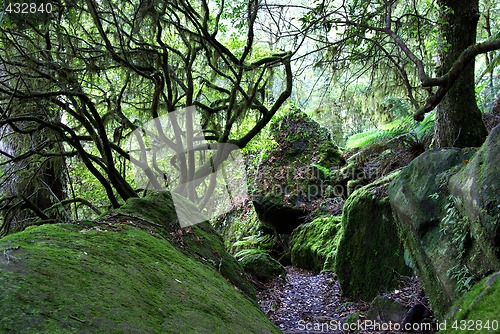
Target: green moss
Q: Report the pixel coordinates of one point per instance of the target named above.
(479, 306)
(370, 256)
(201, 242)
(330, 155)
(314, 245)
(113, 278)
(262, 266)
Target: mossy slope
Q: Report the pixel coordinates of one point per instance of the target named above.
(156, 213)
(314, 245)
(477, 310)
(114, 278)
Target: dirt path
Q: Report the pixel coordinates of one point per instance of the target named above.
(306, 303)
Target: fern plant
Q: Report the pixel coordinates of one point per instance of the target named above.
(257, 243)
(454, 225)
(405, 126)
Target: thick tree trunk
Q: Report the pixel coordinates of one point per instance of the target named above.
(459, 122)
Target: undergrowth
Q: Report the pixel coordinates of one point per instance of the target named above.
(406, 126)
(456, 226)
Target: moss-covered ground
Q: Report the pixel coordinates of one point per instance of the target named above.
(114, 278)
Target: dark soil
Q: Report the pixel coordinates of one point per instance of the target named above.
(308, 302)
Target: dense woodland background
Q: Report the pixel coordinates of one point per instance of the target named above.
(76, 79)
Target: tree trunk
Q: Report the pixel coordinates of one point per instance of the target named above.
(459, 122)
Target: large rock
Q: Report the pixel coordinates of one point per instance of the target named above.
(449, 243)
(113, 277)
(477, 186)
(370, 256)
(292, 177)
(262, 266)
(314, 245)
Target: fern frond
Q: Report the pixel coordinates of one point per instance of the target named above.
(402, 126)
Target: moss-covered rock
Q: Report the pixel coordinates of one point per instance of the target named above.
(477, 188)
(292, 177)
(449, 250)
(157, 213)
(385, 310)
(262, 266)
(314, 245)
(418, 195)
(477, 311)
(370, 256)
(115, 278)
(329, 154)
(237, 225)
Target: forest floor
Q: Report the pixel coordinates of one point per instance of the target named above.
(308, 303)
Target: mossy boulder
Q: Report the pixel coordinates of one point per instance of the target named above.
(370, 256)
(291, 179)
(477, 188)
(419, 192)
(113, 277)
(449, 250)
(477, 310)
(314, 245)
(385, 310)
(262, 266)
(237, 225)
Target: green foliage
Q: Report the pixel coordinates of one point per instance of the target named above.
(248, 251)
(257, 243)
(239, 228)
(405, 126)
(457, 228)
(117, 73)
(324, 170)
(454, 224)
(82, 183)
